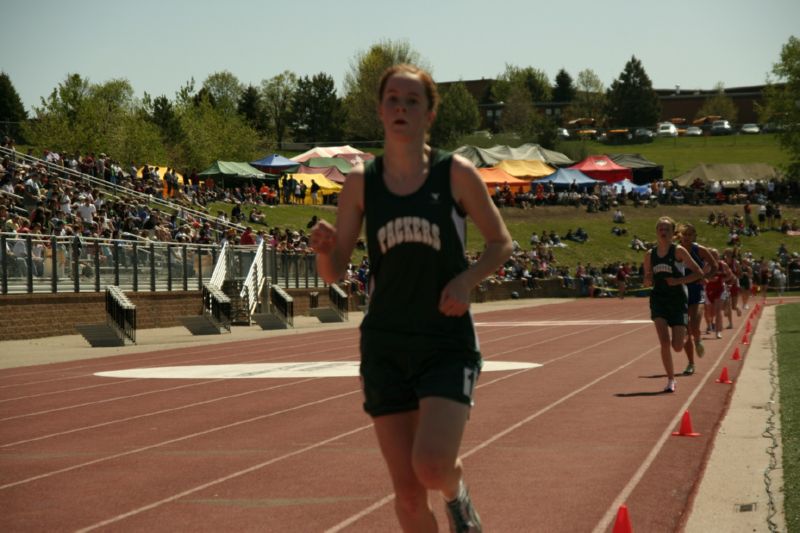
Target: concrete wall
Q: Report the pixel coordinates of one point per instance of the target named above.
(30, 316)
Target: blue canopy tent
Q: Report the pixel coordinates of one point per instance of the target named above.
(564, 177)
(275, 164)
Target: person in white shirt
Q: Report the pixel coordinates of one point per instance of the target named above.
(87, 210)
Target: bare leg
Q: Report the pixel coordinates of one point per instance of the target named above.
(396, 434)
(662, 329)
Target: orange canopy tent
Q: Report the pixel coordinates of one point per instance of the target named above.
(494, 177)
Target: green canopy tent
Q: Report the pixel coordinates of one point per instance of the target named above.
(322, 162)
(230, 172)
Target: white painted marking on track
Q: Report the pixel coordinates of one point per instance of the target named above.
(312, 369)
(549, 323)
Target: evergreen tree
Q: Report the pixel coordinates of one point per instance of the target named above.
(564, 89)
(316, 110)
(250, 108)
(12, 112)
(631, 98)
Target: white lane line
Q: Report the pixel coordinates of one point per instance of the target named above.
(570, 323)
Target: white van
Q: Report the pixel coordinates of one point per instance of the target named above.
(667, 129)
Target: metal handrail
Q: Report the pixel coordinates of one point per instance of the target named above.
(254, 282)
(220, 272)
(121, 313)
(283, 304)
(340, 300)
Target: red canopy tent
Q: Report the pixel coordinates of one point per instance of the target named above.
(601, 167)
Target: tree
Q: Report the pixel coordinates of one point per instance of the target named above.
(212, 134)
(783, 103)
(458, 115)
(631, 98)
(564, 89)
(361, 85)
(161, 112)
(518, 112)
(276, 93)
(590, 99)
(533, 80)
(316, 110)
(719, 105)
(250, 108)
(12, 112)
(224, 90)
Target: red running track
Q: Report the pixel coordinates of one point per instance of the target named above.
(554, 448)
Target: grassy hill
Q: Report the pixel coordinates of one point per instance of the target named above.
(602, 247)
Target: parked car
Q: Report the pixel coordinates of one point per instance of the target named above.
(667, 129)
(750, 129)
(721, 127)
(643, 135)
(694, 131)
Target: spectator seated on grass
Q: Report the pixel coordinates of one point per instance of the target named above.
(619, 232)
(638, 244)
(256, 216)
(619, 217)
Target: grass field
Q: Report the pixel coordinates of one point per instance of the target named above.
(602, 247)
(788, 344)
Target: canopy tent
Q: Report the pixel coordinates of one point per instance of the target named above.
(332, 173)
(323, 162)
(730, 175)
(526, 169)
(627, 186)
(228, 171)
(497, 177)
(601, 167)
(327, 187)
(487, 157)
(355, 159)
(161, 172)
(564, 177)
(321, 151)
(275, 164)
(644, 170)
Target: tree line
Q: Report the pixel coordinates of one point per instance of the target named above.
(223, 118)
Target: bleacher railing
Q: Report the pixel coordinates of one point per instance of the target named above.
(217, 306)
(340, 300)
(256, 278)
(120, 191)
(220, 272)
(121, 313)
(282, 304)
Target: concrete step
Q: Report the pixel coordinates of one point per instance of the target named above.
(269, 321)
(100, 335)
(326, 314)
(200, 325)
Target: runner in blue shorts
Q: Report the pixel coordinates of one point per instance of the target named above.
(697, 296)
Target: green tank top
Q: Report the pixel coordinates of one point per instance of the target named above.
(416, 246)
(663, 268)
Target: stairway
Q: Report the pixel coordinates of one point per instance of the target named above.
(100, 335)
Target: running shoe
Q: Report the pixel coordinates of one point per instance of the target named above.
(670, 386)
(719, 335)
(462, 515)
(689, 370)
(699, 348)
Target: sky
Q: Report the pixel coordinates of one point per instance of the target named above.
(159, 45)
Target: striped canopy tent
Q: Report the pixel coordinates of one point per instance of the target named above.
(327, 187)
(526, 169)
(497, 177)
(355, 159)
(332, 173)
(323, 151)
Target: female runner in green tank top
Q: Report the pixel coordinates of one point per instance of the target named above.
(419, 354)
(664, 270)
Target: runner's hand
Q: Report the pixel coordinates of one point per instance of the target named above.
(323, 237)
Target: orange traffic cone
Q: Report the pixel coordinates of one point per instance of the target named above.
(745, 339)
(736, 356)
(748, 328)
(622, 523)
(686, 427)
(723, 377)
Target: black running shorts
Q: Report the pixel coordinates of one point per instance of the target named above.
(675, 313)
(394, 380)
